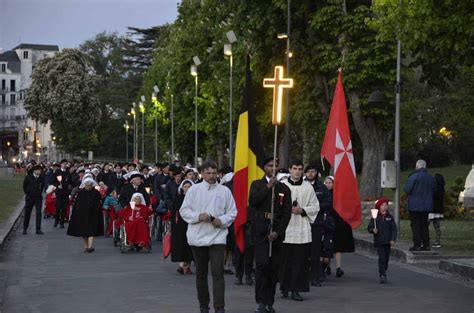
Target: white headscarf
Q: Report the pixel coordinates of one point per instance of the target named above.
(87, 180)
(184, 182)
(137, 194)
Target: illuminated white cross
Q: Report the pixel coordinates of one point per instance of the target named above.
(341, 150)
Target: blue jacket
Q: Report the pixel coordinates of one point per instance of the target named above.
(420, 188)
(386, 229)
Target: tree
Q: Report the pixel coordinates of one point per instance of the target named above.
(63, 92)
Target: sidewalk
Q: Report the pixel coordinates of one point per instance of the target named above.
(454, 264)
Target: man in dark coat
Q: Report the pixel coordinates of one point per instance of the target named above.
(267, 267)
(62, 181)
(420, 188)
(116, 180)
(33, 186)
(171, 190)
(322, 193)
(160, 181)
(135, 185)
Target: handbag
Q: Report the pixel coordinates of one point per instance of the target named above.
(167, 244)
(161, 208)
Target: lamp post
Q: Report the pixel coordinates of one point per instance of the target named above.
(127, 127)
(172, 123)
(135, 147)
(396, 211)
(228, 52)
(154, 99)
(194, 73)
(142, 110)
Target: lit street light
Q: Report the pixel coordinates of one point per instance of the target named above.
(127, 127)
(154, 99)
(228, 52)
(194, 73)
(142, 110)
(135, 147)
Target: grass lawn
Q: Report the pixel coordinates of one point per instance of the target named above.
(450, 173)
(457, 236)
(11, 193)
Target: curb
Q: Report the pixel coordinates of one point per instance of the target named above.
(460, 267)
(10, 224)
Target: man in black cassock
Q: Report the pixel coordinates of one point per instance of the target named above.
(62, 181)
(267, 268)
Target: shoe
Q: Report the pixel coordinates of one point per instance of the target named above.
(415, 248)
(436, 245)
(339, 272)
(249, 280)
(61, 226)
(260, 308)
(284, 294)
(328, 270)
(180, 270)
(228, 272)
(204, 311)
(39, 232)
(238, 281)
(426, 248)
(188, 271)
(138, 248)
(55, 224)
(296, 296)
(24, 231)
(383, 279)
(269, 309)
(91, 250)
(315, 283)
(220, 311)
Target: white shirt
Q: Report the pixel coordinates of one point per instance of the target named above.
(216, 200)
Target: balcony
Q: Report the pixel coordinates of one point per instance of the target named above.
(5, 103)
(4, 90)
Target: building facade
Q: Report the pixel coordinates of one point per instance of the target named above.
(20, 137)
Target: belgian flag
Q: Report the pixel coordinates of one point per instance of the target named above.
(249, 159)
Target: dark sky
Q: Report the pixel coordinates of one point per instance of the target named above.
(68, 23)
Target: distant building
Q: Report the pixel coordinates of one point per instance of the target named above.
(20, 137)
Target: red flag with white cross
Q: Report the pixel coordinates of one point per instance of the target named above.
(337, 149)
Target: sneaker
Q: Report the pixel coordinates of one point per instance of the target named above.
(383, 279)
(296, 296)
(238, 281)
(436, 245)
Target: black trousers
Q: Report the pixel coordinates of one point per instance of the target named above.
(266, 272)
(29, 204)
(383, 252)
(419, 229)
(243, 262)
(202, 256)
(61, 206)
(316, 248)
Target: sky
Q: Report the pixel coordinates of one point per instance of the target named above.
(68, 23)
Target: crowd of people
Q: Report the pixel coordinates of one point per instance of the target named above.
(291, 235)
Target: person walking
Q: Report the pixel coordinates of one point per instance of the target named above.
(384, 229)
(87, 219)
(294, 272)
(260, 200)
(209, 209)
(33, 186)
(62, 182)
(180, 249)
(420, 188)
(438, 209)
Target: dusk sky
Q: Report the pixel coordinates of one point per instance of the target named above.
(68, 23)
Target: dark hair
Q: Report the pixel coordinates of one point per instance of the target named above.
(159, 165)
(311, 167)
(225, 170)
(164, 164)
(295, 162)
(209, 164)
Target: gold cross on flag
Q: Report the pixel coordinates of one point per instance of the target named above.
(278, 83)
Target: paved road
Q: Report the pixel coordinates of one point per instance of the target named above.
(50, 273)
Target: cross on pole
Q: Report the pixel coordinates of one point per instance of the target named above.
(278, 83)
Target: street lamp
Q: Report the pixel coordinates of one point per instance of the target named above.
(228, 52)
(172, 123)
(127, 127)
(142, 110)
(135, 147)
(289, 54)
(194, 73)
(154, 99)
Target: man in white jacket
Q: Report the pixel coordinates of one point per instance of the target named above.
(209, 209)
(294, 269)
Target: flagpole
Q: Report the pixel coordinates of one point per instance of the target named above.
(275, 143)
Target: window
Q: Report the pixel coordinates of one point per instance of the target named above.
(4, 84)
(12, 113)
(12, 99)
(25, 54)
(4, 68)
(12, 85)
(3, 100)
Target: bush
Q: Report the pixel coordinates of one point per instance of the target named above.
(436, 155)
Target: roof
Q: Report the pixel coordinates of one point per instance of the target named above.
(9, 56)
(37, 47)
